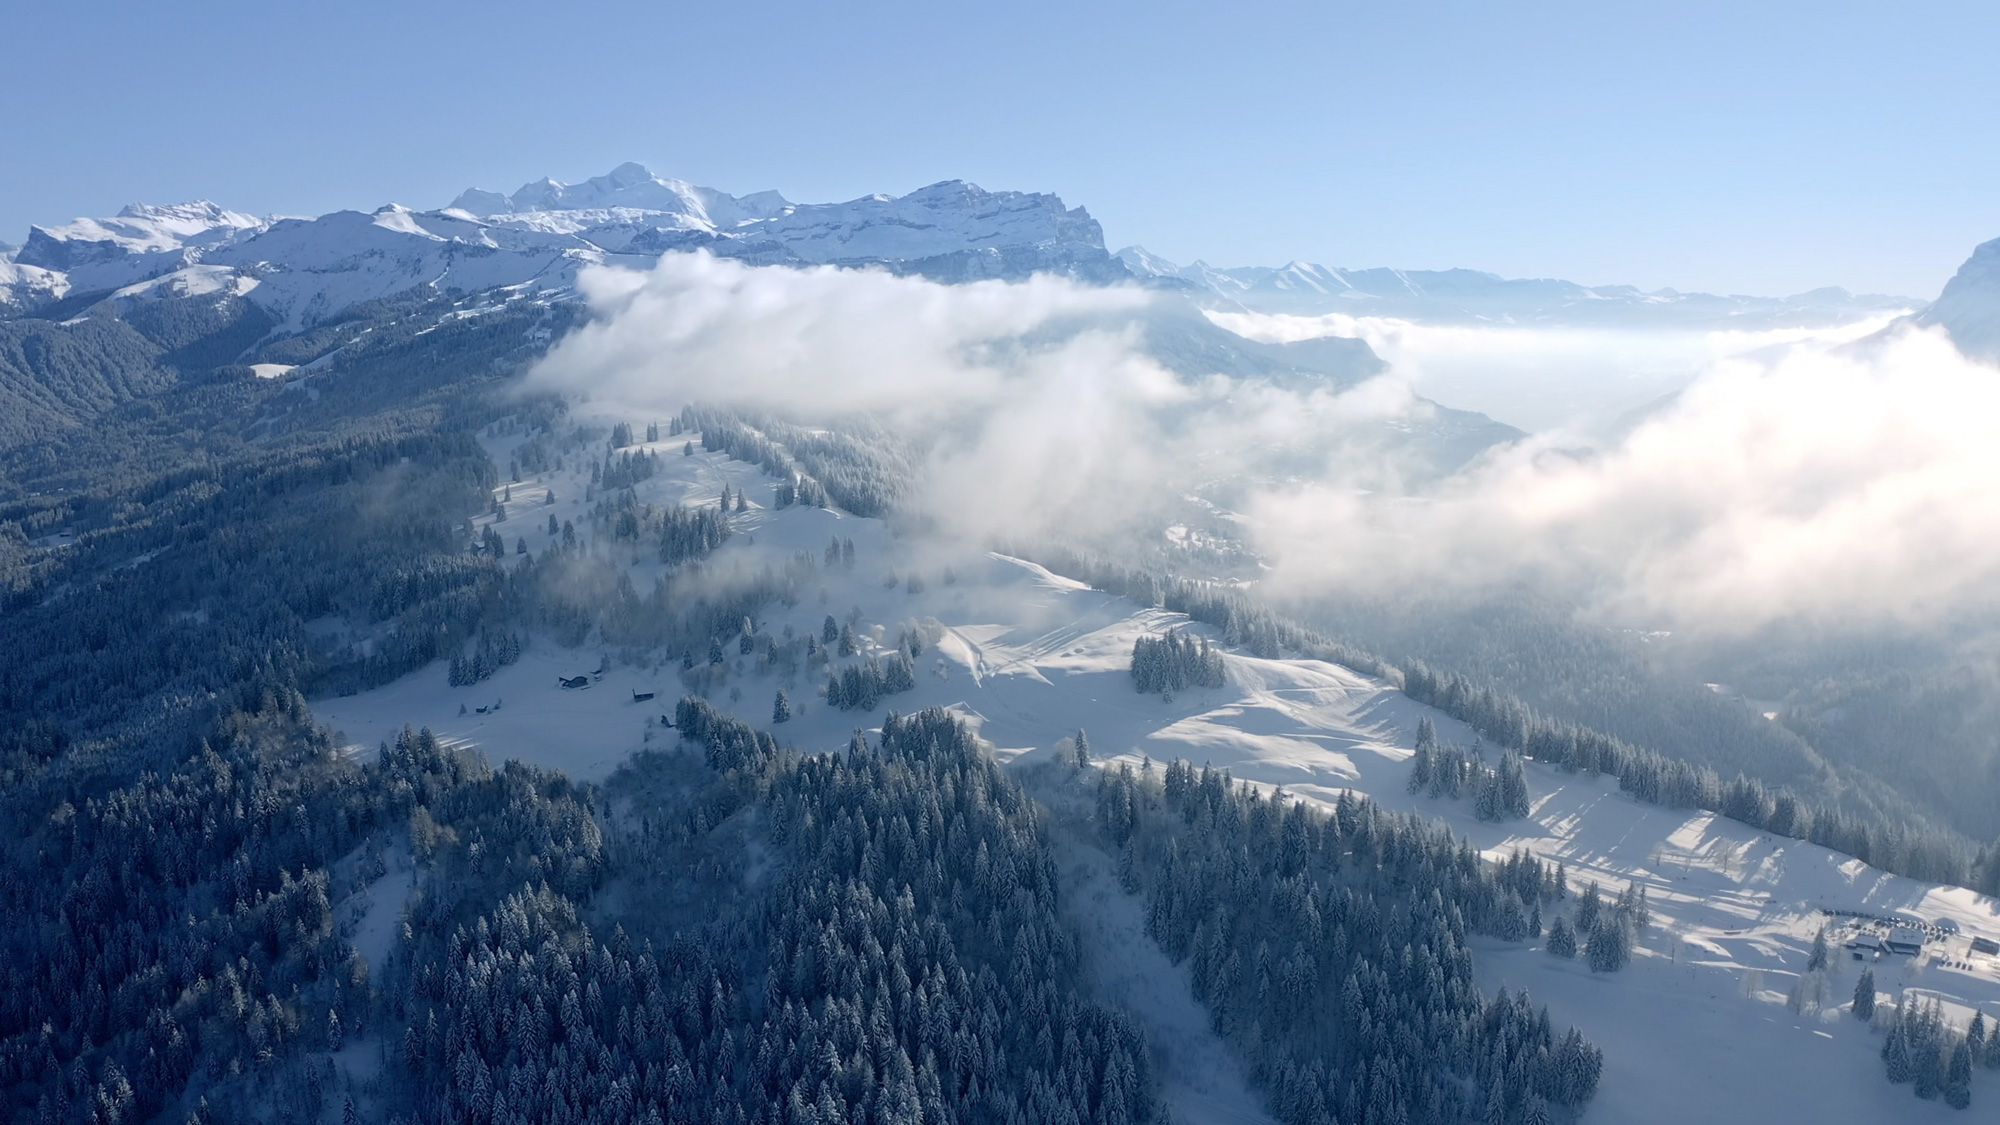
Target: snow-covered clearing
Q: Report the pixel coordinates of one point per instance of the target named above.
(1696, 1028)
(372, 917)
(1199, 1076)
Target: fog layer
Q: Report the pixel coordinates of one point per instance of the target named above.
(1795, 475)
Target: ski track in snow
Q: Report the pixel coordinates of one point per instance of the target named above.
(1031, 657)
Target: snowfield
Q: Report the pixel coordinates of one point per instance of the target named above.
(1714, 1020)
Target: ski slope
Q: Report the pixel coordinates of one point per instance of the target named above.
(1698, 1027)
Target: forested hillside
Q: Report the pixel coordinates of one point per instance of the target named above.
(1331, 948)
(225, 913)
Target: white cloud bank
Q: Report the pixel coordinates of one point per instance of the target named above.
(1854, 483)
(1806, 477)
(1037, 435)
(1575, 378)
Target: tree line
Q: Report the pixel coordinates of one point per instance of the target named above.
(1918, 851)
(1330, 948)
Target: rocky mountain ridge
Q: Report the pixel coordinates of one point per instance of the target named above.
(303, 270)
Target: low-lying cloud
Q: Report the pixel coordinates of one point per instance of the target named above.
(1849, 483)
(1797, 475)
(1025, 437)
(1585, 380)
(814, 340)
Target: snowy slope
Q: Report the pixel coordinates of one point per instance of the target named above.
(140, 228)
(1697, 1027)
(311, 269)
(1969, 307)
(140, 243)
(24, 287)
(1473, 296)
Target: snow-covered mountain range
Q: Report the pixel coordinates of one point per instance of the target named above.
(304, 270)
(1473, 296)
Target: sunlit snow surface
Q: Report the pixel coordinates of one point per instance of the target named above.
(1697, 1028)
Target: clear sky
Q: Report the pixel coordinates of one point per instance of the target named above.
(1756, 147)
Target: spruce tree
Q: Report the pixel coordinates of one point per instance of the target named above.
(1420, 767)
(781, 708)
(1896, 1053)
(1816, 960)
(1926, 1065)
(1513, 780)
(1864, 996)
(1587, 909)
(1562, 940)
(1610, 943)
(1487, 803)
(1958, 1076)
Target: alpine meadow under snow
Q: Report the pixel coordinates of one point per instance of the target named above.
(628, 652)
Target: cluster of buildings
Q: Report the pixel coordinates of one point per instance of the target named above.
(1906, 935)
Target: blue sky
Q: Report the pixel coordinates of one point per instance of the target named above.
(1746, 147)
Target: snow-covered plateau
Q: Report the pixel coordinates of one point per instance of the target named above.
(1716, 1018)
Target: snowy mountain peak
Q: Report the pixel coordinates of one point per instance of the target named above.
(544, 233)
(1144, 263)
(1969, 307)
(139, 228)
(628, 187)
(197, 214)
